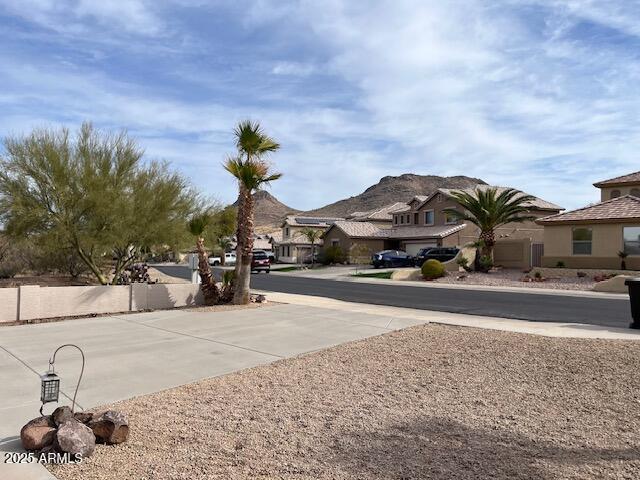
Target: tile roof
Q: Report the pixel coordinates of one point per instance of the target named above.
(369, 230)
(438, 231)
(306, 221)
(625, 208)
(359, 229)
(621, 180)
(382, 213)
(537, 203)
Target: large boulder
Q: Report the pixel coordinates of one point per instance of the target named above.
(110, 427)
(613, 285)
(61, 415)
(38, 433)
(75, 438)
(407, 274)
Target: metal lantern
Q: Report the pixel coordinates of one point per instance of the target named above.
(50, 382)
(50, 387)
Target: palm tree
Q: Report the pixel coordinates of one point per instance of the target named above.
(488, 209)
(312, 237)
(197, 225)
(252, 172)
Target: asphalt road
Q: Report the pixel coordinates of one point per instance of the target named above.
(610, 312)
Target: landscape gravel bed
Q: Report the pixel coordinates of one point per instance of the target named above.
(428, 402)
(513, 278)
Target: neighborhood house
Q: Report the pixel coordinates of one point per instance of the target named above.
(595, 236)
(422, 223)
(294, 247)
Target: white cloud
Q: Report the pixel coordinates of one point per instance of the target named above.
(293, 68)
(70, 17)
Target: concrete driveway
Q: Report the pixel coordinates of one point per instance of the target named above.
(136, 354)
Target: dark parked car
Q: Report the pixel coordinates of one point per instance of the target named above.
(260, 262)
(442, 254)
(391, 258)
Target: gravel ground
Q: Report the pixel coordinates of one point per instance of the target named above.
(432, 401)
(513, 278)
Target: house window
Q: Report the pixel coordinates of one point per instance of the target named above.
(439, 198)
(335, 242)
(450, 219)
(635, 192)
(429, 217)
(408, 218)
(631, 236)
(581, 239)
(286, 232)
(615, 193)
(415, 218)
(401, 218)
(395, 219)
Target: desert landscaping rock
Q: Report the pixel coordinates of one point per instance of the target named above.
(83, 417)
(38, 433)
(110, 427)
(75, 438)
(428, 402)
(61, 415)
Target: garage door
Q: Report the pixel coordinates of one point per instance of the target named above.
(414, 248)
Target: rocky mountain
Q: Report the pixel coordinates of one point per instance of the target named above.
(394, 189)
(269, 211)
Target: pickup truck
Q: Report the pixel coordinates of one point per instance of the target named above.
(229, 259)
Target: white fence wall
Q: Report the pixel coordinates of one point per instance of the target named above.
(32, 302)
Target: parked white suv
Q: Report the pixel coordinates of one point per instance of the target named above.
(229, 259)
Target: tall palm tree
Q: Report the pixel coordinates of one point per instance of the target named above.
(197, 225)
(490, 208)
(312, 236)
(252, 172)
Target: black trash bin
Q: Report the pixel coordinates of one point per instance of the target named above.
(634, 298)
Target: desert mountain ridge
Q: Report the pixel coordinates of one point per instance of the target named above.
(269, 211)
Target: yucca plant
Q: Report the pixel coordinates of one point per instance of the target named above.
(488, 210)
(197, 226)
(252, 172)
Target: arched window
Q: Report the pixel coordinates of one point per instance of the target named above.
(635, 192)
(615, 193)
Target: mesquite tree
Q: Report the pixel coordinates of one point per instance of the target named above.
(93, 192)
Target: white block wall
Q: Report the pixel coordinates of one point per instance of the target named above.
(34, 302)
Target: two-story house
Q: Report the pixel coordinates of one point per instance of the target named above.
(422, 223)
(293, 246)
(594, 236)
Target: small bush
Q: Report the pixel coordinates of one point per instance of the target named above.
(432, 269)
(560, 264)
(581, 274)
(486, 263)
(333, 254)
(538, 275)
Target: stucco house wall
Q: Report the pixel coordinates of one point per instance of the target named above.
(358, 250)
(607, 193)
(606, 242)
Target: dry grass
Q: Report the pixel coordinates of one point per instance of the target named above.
(428, 402)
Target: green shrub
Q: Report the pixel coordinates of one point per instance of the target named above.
(538, 275)
(333, 254)
(464, 263)
(432, 269)
(486, 263)
(560, 264)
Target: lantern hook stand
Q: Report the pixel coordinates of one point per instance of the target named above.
(52, 370)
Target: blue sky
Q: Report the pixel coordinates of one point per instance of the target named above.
(541, 95)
